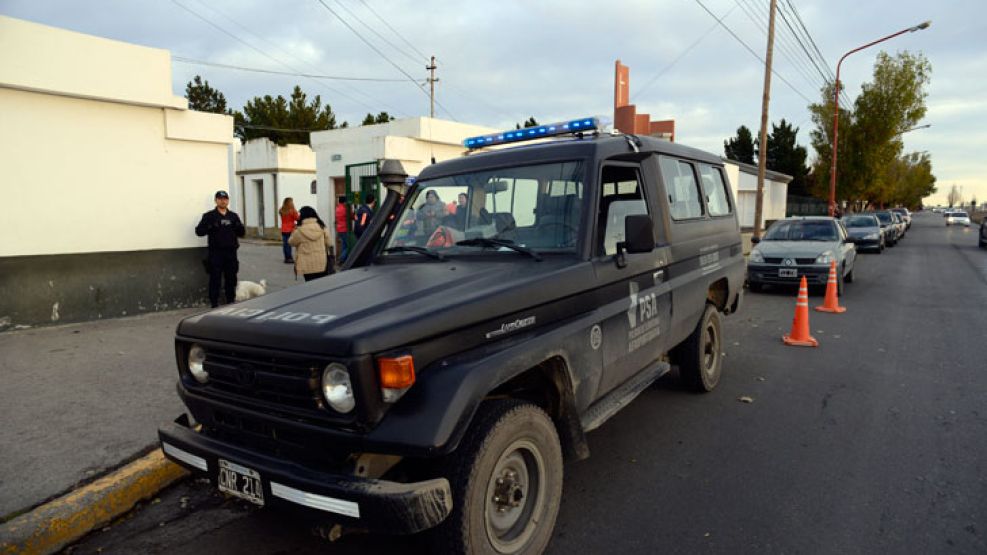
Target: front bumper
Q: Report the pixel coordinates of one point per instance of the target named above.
(373, 505)
(768, 273)
(867, 244)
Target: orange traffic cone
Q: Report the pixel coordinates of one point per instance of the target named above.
(832, 301)
(799, 336)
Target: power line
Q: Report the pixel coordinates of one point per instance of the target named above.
(749, 49)
(382, 55)
(393, 30)
(194, 61)
(291, 55)
(751, 11)
(261, 52)
(380, 36)
(815, 48)
(681, 55)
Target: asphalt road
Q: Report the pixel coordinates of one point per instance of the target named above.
(873, 442)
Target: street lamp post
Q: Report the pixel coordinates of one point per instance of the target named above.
(836, 107)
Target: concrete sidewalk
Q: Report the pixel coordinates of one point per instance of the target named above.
(80, 399)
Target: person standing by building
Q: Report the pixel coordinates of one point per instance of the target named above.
(363, 216)
(288, 218)
(312, 239)
(223, 227)
(341, 227)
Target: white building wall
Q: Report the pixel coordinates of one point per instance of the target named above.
(92, 133)
(744, 185)
(284, 171)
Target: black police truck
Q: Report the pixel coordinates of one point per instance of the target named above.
(499, 307)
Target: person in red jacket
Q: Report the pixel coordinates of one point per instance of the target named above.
(341, 230)
(289, 217)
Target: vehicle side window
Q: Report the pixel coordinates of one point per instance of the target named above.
(841, 231)
(715, 187)
(683, 191)
(621, 195)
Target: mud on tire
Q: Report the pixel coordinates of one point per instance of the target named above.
(506, 480)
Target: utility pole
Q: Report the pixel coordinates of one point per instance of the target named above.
(762, 158)
(431, 87)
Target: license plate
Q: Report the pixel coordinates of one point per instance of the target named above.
(240, 481)
(788, 272)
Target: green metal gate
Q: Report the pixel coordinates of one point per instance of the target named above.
(361, 179)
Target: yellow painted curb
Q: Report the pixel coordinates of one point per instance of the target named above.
(57, 523)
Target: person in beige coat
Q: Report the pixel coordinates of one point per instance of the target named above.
(311, 241)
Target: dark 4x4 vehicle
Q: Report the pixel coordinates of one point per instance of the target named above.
(440, 379)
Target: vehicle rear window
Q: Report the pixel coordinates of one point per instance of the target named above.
(683, 191)
(860, 221)
(960, 215)
(802, 230)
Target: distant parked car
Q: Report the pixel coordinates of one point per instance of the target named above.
(900, 223)
(983, 233)
(958, 217)
(888, 226)
(864, 230)
(801, 246)
(905, 215)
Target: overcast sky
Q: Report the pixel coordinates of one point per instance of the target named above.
(501, 62)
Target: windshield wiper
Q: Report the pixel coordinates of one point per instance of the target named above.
(419, 250)
(488, 242)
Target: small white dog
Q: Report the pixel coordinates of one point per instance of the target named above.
(249, 289)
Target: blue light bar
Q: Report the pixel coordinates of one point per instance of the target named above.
(530, 133)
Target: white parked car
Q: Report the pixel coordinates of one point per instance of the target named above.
(958, 217)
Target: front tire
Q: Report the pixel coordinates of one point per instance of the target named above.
(849, 276)
(699, 357)
(506, 480)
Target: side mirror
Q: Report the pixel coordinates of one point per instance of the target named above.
(755, 240)
(639, 236)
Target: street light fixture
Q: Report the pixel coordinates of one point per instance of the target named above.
(836, 106)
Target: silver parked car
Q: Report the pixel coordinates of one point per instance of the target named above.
(801, 246)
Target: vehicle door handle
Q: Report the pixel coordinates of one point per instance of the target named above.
(658, 276)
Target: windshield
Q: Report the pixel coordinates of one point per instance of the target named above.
(537, 207)
(959, 215)
(802, 230)
(860, 221)
(885, 217)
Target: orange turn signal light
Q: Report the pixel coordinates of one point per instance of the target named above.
(396, 372)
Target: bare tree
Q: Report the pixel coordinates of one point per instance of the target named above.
(955, 197)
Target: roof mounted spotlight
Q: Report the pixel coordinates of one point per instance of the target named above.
(531, 133)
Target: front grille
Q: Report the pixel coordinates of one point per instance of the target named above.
(273, 440)
(799, 261)
(288, 382)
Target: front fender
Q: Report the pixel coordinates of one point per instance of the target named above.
(436, 412)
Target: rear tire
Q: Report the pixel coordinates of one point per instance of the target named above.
(699, 357)
(506, 481)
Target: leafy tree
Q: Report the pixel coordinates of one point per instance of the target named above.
(382, 117)
(284, 120)
(203, 98)
(870, 147)
(741, 147)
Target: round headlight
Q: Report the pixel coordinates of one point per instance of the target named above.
(196, 363)
(337, 388)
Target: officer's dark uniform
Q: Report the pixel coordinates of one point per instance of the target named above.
(223, 231)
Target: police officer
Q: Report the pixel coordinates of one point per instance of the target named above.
(223, 226)
(363, 216)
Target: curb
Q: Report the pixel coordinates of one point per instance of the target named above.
(54, 525)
